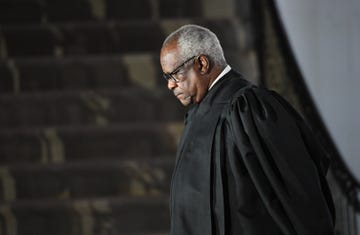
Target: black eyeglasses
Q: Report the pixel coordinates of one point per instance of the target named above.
(168, 76)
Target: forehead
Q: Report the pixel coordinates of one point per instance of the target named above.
(169, 57)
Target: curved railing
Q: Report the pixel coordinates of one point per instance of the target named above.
(280, 72)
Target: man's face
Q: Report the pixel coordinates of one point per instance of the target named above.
(188, 87)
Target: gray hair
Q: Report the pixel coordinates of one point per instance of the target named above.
(194, 40)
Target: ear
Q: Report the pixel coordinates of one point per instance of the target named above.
(203, 64)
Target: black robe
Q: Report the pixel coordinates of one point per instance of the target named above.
(248, 165)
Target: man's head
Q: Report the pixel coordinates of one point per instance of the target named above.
(191, 59)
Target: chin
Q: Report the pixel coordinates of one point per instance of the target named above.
(186, 102)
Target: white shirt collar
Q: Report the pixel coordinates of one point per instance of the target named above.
(225, 71)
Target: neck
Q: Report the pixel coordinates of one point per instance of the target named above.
(215, 73)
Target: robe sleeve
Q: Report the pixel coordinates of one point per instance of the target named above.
(284, 162)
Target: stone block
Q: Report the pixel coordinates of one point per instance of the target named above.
(29, 41)
(139, 215)
(88, 108)
(71, 73)
(180, 8)
(132, 217)
(96, 72)
(40, 218)
(129, 10)
(67, 10)
(20, 12)
(6, 78)
(86, 143)
(91, 180)
(81, 39)
(137, 37)
(124, 140)
(37, 75)
(19, 147)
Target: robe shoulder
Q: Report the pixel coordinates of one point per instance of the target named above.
(272, 109)
(283, 159)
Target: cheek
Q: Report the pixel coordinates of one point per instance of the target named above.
(188, 86)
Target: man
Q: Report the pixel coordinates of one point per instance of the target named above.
(246, 162)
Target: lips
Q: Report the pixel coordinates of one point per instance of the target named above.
(176, 94)
(181, 96)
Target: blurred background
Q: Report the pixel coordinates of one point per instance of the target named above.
(325, 36)
(88, 130)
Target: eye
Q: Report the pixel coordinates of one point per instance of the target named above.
(180, 72)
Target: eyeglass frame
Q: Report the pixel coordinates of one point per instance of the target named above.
(170, 76)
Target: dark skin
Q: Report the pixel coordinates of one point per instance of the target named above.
(194, 78)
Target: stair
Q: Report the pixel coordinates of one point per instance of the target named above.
(90, 180)
(87, 107)
(88, 130)
(100, 216)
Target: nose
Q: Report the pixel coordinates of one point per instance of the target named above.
(171, 84)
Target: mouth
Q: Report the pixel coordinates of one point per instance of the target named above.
(181, 96)
(177, 94)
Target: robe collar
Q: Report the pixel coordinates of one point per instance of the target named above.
(220, 94)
